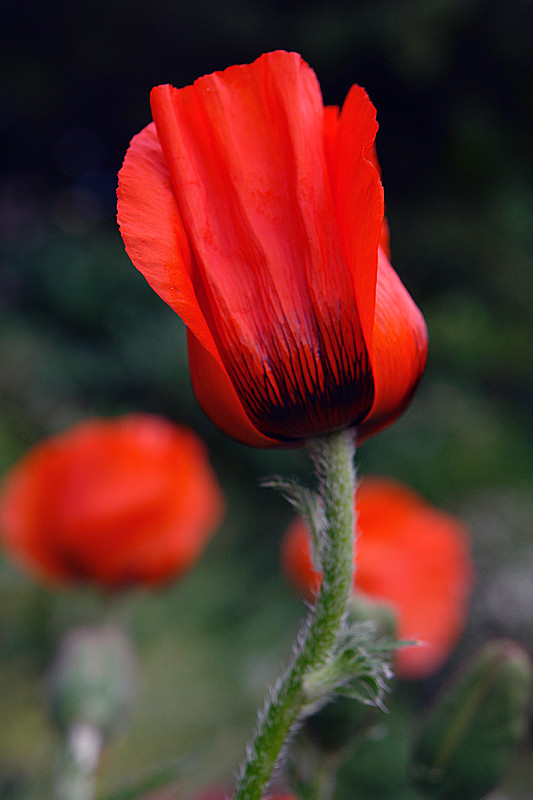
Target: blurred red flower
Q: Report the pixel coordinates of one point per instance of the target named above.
(116, 502)
(410, 555)
(257, 214)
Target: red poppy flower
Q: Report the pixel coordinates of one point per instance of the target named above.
(116, 502)
(256, 213)
(410, 555)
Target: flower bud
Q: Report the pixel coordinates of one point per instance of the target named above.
(92, 680)
(256, 213)
(466, 745)
(121, 502)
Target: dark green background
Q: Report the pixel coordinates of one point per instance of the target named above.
(83, 334)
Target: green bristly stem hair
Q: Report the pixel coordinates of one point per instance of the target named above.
(333, 456)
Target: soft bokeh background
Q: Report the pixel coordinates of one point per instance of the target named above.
(83, 334)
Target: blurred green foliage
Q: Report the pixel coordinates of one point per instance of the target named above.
(82, 334)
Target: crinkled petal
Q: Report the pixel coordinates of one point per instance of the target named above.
(399, 350)
(152, 229)
(417, 558)
(126, 501)
(27, 492)
(245, 153)
(409, 555)
(219, 400)
(358, 196)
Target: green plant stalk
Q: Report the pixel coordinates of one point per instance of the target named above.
(76, 779)
(333, 456)
(324, 781)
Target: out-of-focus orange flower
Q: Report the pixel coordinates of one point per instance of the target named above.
(116, 502)
(410, 555)
(257, 214)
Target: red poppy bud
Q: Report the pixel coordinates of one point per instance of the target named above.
(257, 214)
(410, 555)
(115, 502)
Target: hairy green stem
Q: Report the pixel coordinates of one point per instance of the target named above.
(333, 456)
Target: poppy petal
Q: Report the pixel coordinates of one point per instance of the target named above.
(151, 226)
(358, 197)
(331, 123)
(384, 239)
(417, 558)
(245, 154)
(217, 397)
(26, 494)
(331, 127)
(400, 346)
(130, 500)
(410, 555)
